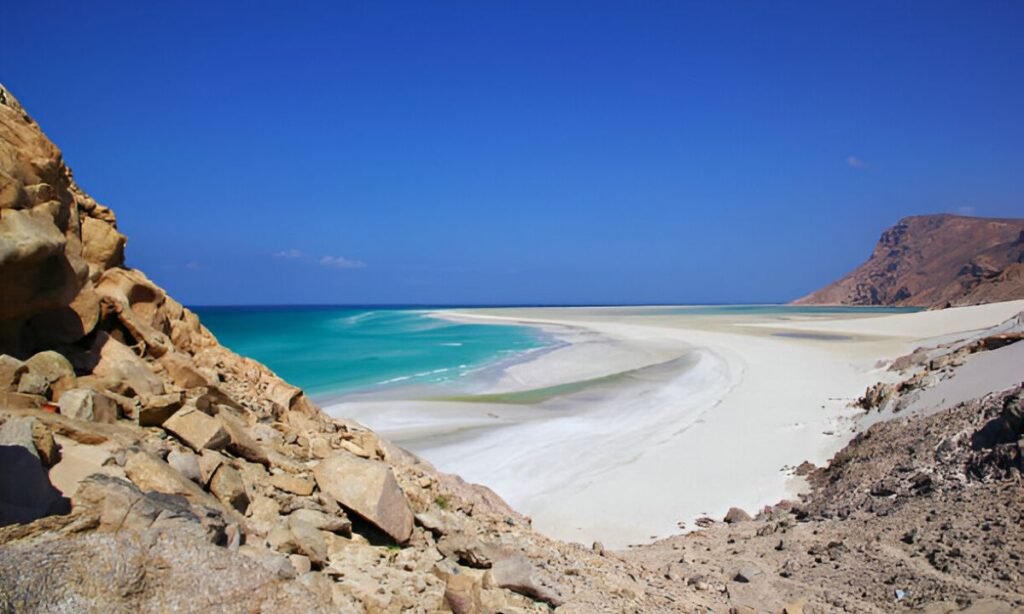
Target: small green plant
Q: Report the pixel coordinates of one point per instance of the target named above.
(442, 502)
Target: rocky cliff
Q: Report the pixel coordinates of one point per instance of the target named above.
(936, 261)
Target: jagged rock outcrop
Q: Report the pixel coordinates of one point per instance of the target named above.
(936, 261)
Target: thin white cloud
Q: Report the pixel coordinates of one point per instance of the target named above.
(340, 262)
(192, 265)
(855, 162)
(288, 253)
(967, 210)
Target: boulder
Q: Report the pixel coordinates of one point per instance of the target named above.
(227, 486)
(182, 371)
(747, 573)
(369, 489)
(150, 473)
(735, 515)
(516, 573)
(196, 429)
(17, 431)
(68, 324)
(36, 273)
(264, 514)
(55, 369)
(297, 537)
(297, 485)
(117, 363)
(89, 405)
(33, 383)
(241, 443)
(185, 463)
(11, 370)
(274, 562)
(324, 522)
(103, 244)
(209, 462)
(154, 410)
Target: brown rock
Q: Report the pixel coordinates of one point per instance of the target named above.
(462, 594)
(369, 489)
(324, 522)
(196, 429)
(227, 486)
(19, 400)
(209, 462)
(294, 484)
(182, 371)
(55, 369)
(154, 410)
(516, 573)
(185, 463)
(736, 515)
(104, 245)
(241, 443)
(118, 364)
(11, 370)
(89, 405)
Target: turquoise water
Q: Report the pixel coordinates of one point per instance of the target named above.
(336, 351)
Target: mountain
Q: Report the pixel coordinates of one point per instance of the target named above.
(936, 261)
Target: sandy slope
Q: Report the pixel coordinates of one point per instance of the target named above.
(714, 413)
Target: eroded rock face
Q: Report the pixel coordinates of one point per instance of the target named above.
(935, 261)
(53, 238)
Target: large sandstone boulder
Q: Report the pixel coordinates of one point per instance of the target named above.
(118, 364)
(197, 430)
(369, 489)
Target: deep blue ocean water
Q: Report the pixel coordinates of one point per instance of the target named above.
(339, 350)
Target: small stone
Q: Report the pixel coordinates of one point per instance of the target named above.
(736, 515)
(185, 463)
(294, 484)
(301, 563)
(747, 573)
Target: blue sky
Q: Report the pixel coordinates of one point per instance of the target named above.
(520, 152)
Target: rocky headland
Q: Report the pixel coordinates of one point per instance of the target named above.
(147, 468)
(936, 261)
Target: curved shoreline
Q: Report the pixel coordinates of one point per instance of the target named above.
(627, 462)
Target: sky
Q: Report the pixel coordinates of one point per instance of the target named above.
(521, 152)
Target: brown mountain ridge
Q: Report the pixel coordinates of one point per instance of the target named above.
(936, 261)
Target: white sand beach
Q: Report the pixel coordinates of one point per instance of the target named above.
(646, 418)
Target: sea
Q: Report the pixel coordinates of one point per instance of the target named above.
(331, 352)
(337, 352)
